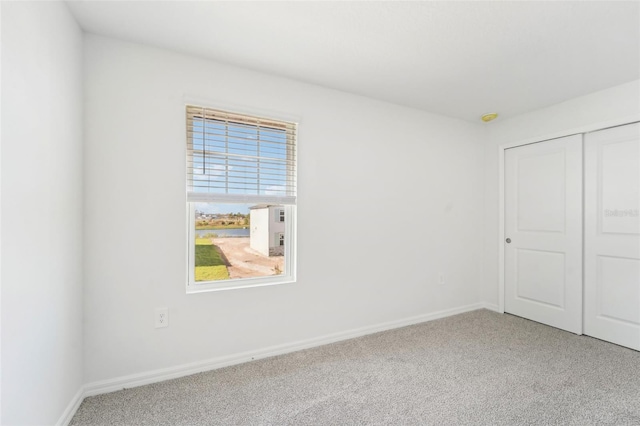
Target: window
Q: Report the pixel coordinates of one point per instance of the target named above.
(241, 181)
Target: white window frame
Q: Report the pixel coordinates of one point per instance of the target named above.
(290, 234)
(281, 215)
(281, 239)
(287, 276)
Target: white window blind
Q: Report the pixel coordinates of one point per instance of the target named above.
(239, 158)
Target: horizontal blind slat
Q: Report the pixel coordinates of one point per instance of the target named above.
(214, 126)
(232, 180)
(212, 134)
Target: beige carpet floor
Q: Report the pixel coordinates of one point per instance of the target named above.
(477, 368)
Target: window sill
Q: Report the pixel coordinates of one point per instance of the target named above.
(238, 284)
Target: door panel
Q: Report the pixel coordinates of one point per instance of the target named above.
(543, 220)
(542, 209)
(540, 284)
(612, 235)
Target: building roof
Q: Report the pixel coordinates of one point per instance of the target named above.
(264, 206)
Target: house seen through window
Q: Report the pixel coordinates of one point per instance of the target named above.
(241, 197)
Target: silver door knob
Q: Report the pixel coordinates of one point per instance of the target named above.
(508, 240)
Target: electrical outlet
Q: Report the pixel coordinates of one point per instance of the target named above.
(162, 317)
(441, 278)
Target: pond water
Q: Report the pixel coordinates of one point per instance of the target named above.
(223, 232)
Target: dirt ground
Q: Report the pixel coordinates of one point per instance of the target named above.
(244, 262)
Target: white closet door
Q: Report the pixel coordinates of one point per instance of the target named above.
(612, 235)
(543, 230)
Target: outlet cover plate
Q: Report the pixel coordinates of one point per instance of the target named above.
(162, 317)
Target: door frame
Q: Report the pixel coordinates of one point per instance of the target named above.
(501, 204)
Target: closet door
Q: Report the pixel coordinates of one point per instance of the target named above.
(543, 231)
(612, 235)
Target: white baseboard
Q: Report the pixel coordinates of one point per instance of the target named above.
(159, 375)
(71, 409)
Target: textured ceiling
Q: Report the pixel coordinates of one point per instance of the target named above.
(460, 59)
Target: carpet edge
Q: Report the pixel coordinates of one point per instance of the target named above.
(159, 375)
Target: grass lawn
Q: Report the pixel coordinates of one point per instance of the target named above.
(209, 263)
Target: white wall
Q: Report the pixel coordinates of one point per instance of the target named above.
(592, 111)
(401, 188)
(41, 212)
